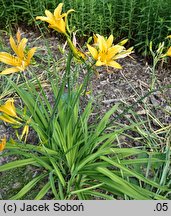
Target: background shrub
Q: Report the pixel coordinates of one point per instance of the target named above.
(140, 21)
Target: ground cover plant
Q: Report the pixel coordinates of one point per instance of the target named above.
(78, 157)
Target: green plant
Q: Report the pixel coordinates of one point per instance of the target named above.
(158, 56)
(79, 158)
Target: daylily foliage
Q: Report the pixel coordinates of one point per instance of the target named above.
(78, 158)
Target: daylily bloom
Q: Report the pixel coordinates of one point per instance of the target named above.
(9, 108)
(105, 53)
(168, 53)
(9, 112)
(169, 36)
(25, 132)
(21, 61)
(2, 144)
(56, 21)
(9, 119)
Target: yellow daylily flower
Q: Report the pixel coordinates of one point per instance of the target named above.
(2, 144)
(9, 108)
(21, 61)
(57, 21)
(25, 132)
(9, 119)
(169, 36)
(168, 53)
(105, 53)
(9, 112)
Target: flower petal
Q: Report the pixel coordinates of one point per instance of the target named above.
(168, 53)
(57, 21)
(114, 64)
(9, 59)
(49, 14)
(99, 63)
(93, 51)
(21, 48)
(10, 70)
(30, 54)
(9, 108)
(59, 26)
(102, 43)
(95, 39)
(58, 10)
(113, 51)
(21, 61)
(123, 54)
(2, 144)
(9, 119)
(109, 41)
(43, 18)
(13, 45)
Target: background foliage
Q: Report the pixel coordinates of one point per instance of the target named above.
(140, 21)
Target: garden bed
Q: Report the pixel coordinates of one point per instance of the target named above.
(112, 86)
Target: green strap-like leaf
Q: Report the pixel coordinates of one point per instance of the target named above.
(133, 173)
(92, 157)
(43, 191)
(123, 186)
(52, 183)
(86, 189)
(58, 173)
(18, 163)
